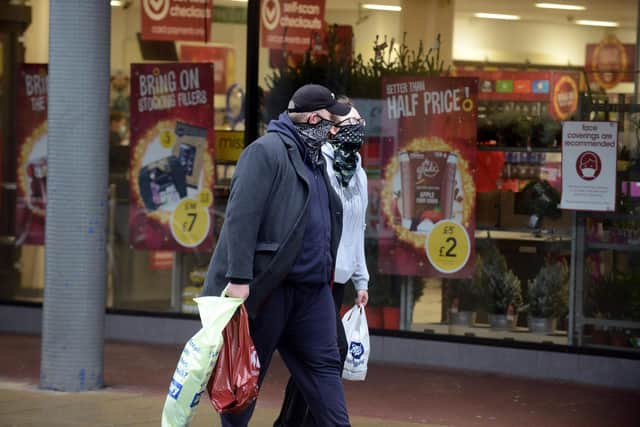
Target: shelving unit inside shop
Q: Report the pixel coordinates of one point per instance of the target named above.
(606, 277)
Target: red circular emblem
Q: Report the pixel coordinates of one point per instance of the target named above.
(588, 165)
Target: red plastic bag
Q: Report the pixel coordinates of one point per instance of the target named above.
(234, 383)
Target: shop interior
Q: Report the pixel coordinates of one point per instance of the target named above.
(519, 162)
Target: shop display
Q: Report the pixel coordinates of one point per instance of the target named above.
(548, 297)
(172, 172)
(31, 168)
(428, 188)
(525, 93)
(463, 299)
(434, 196)
(501, 289)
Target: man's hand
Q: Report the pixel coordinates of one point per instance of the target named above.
(362, 298)
(237, 291)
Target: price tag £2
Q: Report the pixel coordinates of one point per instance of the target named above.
(448, 247)
(190, 223)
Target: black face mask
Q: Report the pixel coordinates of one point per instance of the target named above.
(349, 138)
(314, 136)
(347, 142)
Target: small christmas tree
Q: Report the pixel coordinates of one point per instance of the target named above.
(549, 291)
(502, 288)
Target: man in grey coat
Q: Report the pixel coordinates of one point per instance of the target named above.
(277, 249)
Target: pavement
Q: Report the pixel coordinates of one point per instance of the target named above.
(137, 378)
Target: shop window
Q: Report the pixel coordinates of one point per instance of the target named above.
(514, 284)
(139, 278)
(146, 274)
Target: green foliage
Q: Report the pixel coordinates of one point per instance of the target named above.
(467, 292)
(548, 292)
(512, 128)
(614, 296)
(545, 132)
(501, 288)
(351, 75)
(392, 60)
(515, 129)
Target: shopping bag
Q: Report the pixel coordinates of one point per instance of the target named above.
(234, 383)
(197, 360)
(357, 332)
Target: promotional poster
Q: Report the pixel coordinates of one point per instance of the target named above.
(31, 150)
(428, 190)
(589, 154)
(610, 62)
(171, 170)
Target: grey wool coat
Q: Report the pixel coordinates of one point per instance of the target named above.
(265, 219)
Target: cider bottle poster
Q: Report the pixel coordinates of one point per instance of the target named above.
(428, 166)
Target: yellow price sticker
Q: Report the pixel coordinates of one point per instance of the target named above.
(448, 246)
(205, 198)
(167, 138)
(190, 223)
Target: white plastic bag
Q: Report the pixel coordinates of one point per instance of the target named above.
(197, 360)
(357, 331)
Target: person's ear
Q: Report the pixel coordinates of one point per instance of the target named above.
(314, 118)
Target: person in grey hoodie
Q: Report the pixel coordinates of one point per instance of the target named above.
(349, 180)
(277, 249)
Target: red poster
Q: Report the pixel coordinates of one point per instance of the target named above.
(610, 62)
(31, 153)
(176, 19)
(292, 25)
(222, 59)
(429, 164)
(172, 172)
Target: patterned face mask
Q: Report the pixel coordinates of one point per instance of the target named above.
(347, 142)
(314, 136)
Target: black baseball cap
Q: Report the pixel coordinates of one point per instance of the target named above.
(314, 97)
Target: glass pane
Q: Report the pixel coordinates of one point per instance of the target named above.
(148, 274)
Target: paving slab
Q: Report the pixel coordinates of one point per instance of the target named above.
(392, 395)
(25, 405)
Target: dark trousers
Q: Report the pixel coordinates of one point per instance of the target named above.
(300, 322)
(295, 412)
